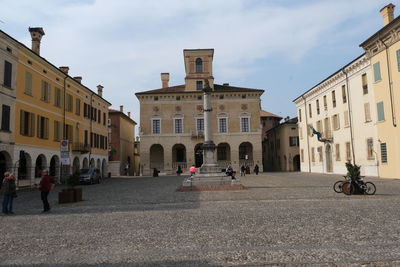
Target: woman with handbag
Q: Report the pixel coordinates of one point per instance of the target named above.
(9, 191)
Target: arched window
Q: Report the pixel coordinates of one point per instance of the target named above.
(199, 65)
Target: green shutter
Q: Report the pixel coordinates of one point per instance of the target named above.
(381, 111)
(398, 59)
(377, 72)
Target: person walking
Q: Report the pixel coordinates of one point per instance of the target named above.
(192, 171)
(179, 170)
(9, 191)
(243, 171)
(256, 169)
(45, 186)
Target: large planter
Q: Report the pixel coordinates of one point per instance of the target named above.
(77, 194)
(70, 195)
(66, 196)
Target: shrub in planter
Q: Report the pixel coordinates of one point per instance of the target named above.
(65, 196)
(76, 192)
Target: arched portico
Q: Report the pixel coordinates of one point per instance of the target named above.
(198, 155)
(40, 165)
(157, 157)
(5, 163)
(246, 154)
(179, 156)
(223, 154)
(54, 166)
(85, 163)
(75, 165)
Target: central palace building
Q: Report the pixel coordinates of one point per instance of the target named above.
(172, 123)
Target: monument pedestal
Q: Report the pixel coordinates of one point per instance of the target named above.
(210, 176)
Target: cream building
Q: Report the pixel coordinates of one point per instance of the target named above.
(172, 123)
(282, 141)
(383, 50)
(341, 107)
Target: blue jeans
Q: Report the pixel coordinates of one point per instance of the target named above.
(7, 204)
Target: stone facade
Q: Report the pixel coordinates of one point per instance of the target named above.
(172, 122)
(282, 144)
(122, 143)
(268, 121)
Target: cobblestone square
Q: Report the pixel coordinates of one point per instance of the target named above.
(283, 218)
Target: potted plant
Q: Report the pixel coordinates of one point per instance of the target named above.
(73, 181)
(353, 171)
(71, 193)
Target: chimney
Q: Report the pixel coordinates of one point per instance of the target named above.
(387, 14)
(121, 108)
(100, 90)
(36, 34)
(129, 114)
(64, 69)
(78, 79)
(165, 79)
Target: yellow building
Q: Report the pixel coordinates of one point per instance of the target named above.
(172, 123)
(383, 50)
(51, 106)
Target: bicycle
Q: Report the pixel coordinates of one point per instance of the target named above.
(358, 186)
(338, 186)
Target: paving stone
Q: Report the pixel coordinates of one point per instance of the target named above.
(282, 219)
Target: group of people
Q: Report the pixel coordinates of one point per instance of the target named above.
(8, 189)
(246, 170)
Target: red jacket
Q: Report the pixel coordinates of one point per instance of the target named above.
(46, 183)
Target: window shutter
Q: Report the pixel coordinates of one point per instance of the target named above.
(367, 112)
(21, 122)
(5, 118)
(7, 73)
(32, 124)
(48, 92)
(381, 111)
(28, 83)
(42, 91)
(46, 128)
(39, 127)
(377, 72)
(398, 59)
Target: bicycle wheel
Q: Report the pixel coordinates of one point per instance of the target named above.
(370, 188)
(347, 188)
(337, 187)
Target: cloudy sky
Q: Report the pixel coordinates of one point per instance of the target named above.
(282, 46)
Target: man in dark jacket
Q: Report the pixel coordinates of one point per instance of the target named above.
(46, 184)
(8, 190)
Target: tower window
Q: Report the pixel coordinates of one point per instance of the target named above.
(199, 65)
(199, 85)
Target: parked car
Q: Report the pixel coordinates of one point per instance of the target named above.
(91, 175)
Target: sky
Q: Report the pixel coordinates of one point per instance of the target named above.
(282, 46)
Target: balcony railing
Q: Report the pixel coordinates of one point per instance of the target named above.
(80, 147)
(197, 134)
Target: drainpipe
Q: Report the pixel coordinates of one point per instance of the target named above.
(308, 138)
(65, 89)
(91, 128)
(350, 116)
(390, 85)
(64, 130)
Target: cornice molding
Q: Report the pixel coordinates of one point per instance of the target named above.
(385, 38)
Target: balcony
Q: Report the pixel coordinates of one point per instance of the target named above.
(80, 147)
(197, 134)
